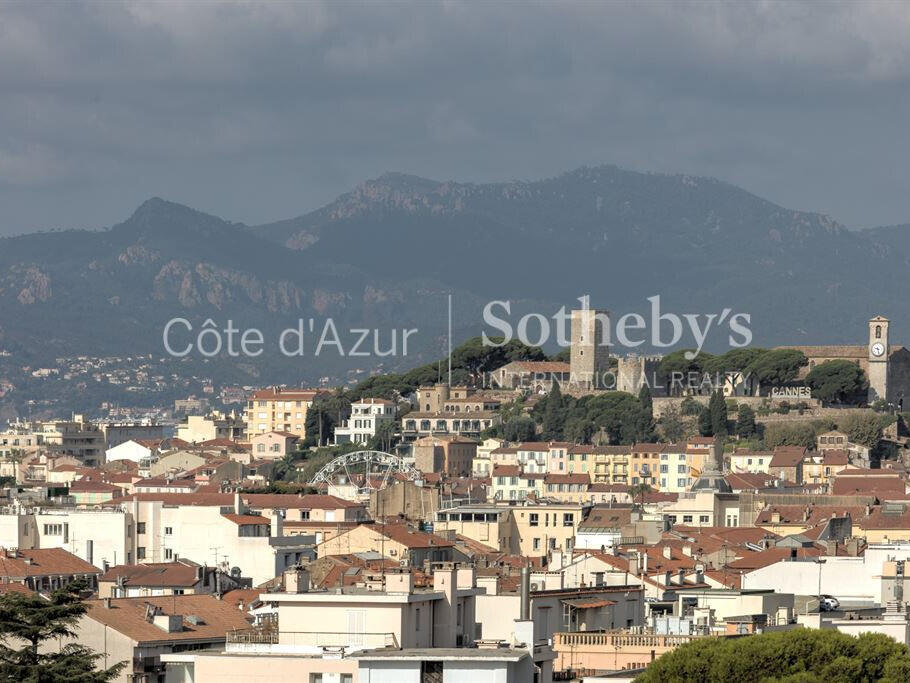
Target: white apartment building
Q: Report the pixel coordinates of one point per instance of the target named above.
(201, 428)
(385, 630)
(76, 437)
(97, 536)
(367, 416)
(217, 535)
(746, 461)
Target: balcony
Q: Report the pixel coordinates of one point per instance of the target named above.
(272, 641)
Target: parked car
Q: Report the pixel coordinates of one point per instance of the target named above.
(828, 603)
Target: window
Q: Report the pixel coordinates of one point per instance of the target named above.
(535, 544)
(315, 678)
(681, 469)
(552, 544)
(140, 527)
(703, 519)
(430, 672)
(260, 448)
(140, 553)
(568, 519)
(664, 469)
(687, 519)
(534, 520)
(168, 531)
(347, 678)
(168, 554)
(53, 529)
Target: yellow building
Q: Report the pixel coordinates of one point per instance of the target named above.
(279, 410)
(611, 463)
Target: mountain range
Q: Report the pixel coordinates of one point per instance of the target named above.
(389, 254)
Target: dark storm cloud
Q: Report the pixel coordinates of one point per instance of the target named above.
(263, 111)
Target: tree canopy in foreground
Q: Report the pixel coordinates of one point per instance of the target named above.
(27, 621)
(803, 655)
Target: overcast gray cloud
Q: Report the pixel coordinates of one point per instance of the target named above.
(258, 111)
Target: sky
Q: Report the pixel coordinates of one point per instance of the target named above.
(262, 111)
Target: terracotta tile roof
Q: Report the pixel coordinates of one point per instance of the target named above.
(128, 616)
(242, 598)
(255, 500)
(543, 445)
(506, 471)
(613, 450)
(609, 488)
(246, 520)
(181, 573)
(222, 443)
(86, 486)
(846, 483)
(767, 557)
(835, 456)
(277, 393)
(160, 482)
(787, 456)
(46, 562)
(884, 518)
(574, 478)
(808, 515)
(286, 435)
(749, 480)
(15, 588)
(605, 518)
(400, 533)
(729, 535)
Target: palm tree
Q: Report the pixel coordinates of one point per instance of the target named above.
(639, 490)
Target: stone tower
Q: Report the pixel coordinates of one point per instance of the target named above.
(878, 358)
(589, 359)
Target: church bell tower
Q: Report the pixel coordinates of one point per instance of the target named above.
(878, 358)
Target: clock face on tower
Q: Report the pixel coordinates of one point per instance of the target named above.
(878, 349)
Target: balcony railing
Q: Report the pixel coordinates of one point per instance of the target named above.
(618, 639)
(271, 640)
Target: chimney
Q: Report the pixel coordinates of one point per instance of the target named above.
(107, 603)
(775, 517)
(296, 580)
(681, 577)
(668, 575)
(634, 562)
(525, 594)
(831, 548)
(687, 550)
(90, 551)
(644, 563)
(237, 504)
(399, 582)
(276, 528)
(668, 552)
(490, 583)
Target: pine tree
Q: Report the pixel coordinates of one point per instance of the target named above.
(705, 424)
(717, 407)
(745, 422)
(645, 421)
(554, 414)
(30, 620)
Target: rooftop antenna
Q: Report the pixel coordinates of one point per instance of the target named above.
(450, 341)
